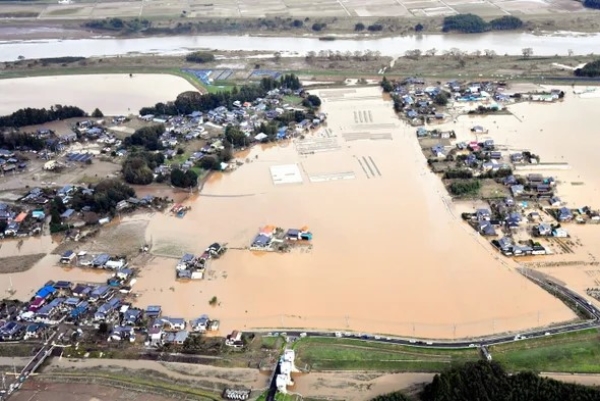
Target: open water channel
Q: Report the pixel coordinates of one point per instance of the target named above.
(502, 43)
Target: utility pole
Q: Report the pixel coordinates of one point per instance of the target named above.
(413, 329)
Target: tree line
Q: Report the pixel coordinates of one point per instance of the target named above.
(118, 24)
(590, 70)
(490, 382)
(471, 23)
(188, 102)
(30, 116)
(21, 140)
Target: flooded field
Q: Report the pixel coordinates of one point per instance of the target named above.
(113, 94)
(562, 132)
(388, 254)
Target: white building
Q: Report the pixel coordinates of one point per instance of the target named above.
(286, 367)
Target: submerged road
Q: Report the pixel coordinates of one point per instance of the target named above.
(579, 302)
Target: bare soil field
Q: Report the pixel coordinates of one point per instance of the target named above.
(35, 390)
(355, 386)
(285, 8)
(16, 264)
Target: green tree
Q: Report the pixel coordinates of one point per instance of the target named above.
(441, 99)
(312, 101)
(209, 163)
(386, 85)
(488, 381)
(180, 179)
(97, 113)
(29, 116)
(359, 27)
(466, 23)
(592, 4)
(318, 26)
(235, 136)
(200, 57)
(591, 70)
(506, 22)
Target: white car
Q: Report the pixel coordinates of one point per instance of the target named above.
(547, 333)
(412, 341)
(472, 345)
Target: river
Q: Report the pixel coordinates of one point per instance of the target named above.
(501, 42)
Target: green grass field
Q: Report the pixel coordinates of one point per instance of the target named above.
(577, 352)
(333, 353)
(280, 397)
(574, 353)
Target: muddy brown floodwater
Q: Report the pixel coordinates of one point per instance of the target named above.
(388, 255)
(114, 94)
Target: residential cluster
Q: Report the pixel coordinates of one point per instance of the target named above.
(248, 117)
(91, 306)
(419, 102)
(272, 238)
(522, 210)
(193, 267)
(77, 209)
(10, 162)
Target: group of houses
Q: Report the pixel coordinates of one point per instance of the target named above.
(192, 267)
(75, 215)
(88, 305)
(419, 102)
(17, 221)
(10, 162)
(174, 330)
(248, 117)
(272, 238)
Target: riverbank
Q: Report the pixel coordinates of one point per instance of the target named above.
(502, 43)
(326, 68)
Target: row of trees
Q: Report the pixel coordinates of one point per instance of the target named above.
(589, 70)
(30, 116)
(188, 102)
(357, 55)
(592, 4)
(19, 140)
(490, 382)
(471, 23)
(118, 24)
(359, 27)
